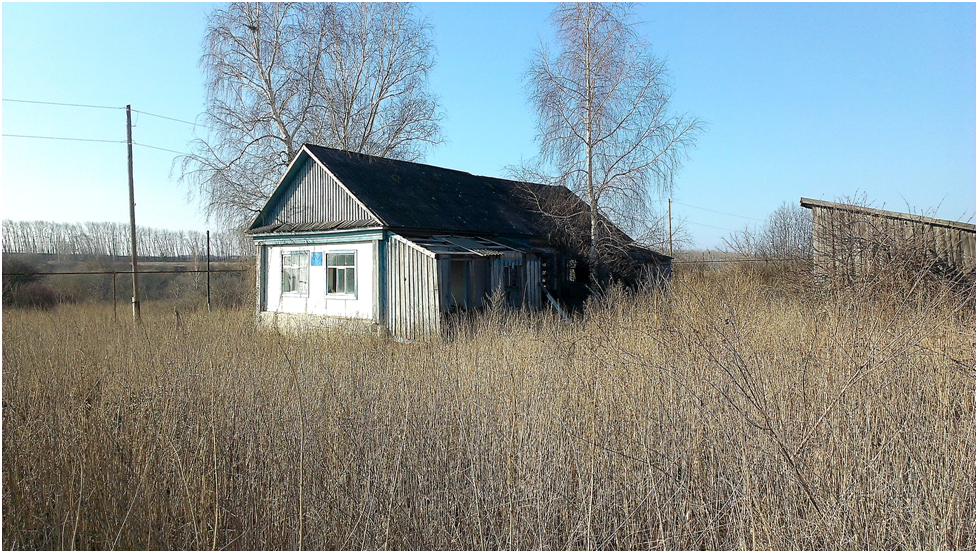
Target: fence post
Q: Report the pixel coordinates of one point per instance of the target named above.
(115, 313)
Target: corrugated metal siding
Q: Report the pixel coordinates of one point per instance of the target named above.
(414, 306)
(313, 197)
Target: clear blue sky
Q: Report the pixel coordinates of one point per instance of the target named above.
(816, 100)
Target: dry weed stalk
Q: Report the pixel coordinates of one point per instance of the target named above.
(725, 412)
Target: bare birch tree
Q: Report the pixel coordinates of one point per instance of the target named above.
(785, 234)
(604, 126)
(348, 76)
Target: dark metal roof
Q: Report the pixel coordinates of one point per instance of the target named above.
(407, 195)
(646, 255)
(429, 201)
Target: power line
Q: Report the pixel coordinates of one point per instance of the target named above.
(138, 112)
(170, 118)
(61, 104)
(719, 212)
(710, 226)
(94, 140)
(158, 148)
(64, 138)
(106, 107)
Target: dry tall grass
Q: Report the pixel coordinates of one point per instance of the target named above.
(723, 414)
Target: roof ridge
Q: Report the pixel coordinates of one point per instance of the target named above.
(371, 158)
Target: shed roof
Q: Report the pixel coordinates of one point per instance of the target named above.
(478, 246)
(810, 203)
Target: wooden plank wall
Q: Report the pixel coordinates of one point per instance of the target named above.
(261, 277)
(531, 292)
(314, 196)
(849, 243)
(444, 281)
(532, 295)
(413, 302)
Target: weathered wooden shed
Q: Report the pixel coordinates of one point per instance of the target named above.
(850, 240)
(400, 244)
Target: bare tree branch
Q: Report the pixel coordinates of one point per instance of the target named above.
(604, 127)
(278, 75)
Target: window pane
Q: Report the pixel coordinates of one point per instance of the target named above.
(303, 277)
(286, 281)
(341, 273)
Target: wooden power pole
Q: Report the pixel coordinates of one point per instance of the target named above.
(670, 227)
(132, 221)
(208, 271)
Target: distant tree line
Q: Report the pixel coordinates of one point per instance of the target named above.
(787, 233)
(112, 239)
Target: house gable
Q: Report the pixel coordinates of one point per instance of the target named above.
(309, 195)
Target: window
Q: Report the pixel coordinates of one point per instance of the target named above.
(341, 273)
(295, 273)
(511, 276)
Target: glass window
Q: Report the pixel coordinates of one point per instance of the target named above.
(571, 270)
(341, 273)
(295, 273)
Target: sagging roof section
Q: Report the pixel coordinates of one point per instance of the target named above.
(439, 245)
(311, 227)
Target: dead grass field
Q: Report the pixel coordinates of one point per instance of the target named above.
(726, 413)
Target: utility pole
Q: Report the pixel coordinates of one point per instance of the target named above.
(208, 271)
(132, 221)
(670, 227)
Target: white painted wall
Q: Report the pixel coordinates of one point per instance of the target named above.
(317, 302)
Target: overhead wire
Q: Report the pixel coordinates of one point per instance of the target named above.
(718, 212)
(710, 226)
(61, 104)
(161, 149)
(64, 138)
(171, 118)
(137, 112)
(95, 140)
(204, 126)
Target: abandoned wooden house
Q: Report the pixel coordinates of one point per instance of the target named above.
(851, 241)
(400, 245)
